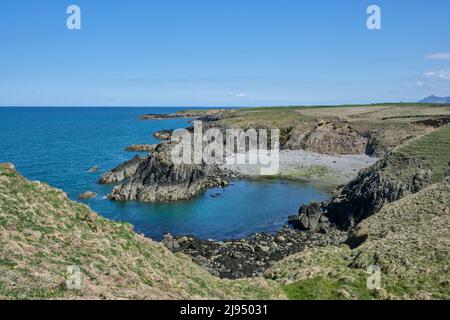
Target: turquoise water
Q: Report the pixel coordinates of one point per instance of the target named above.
(60, 145)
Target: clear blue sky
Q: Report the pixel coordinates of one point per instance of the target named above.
(222, 52)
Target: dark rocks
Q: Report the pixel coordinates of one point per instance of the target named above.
(141, 148)
(163, 135)
(294, 221)
(364, 196)
(388, 180)
(421, 180)
(310, 216)
(374, 146)
(435, 122)
(122, 172)
(251, 256)
(154, 116)
(157, 178)
(215, 195)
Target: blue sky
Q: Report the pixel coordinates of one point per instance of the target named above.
(222, 52)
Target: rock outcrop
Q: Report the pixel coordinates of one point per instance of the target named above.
(334, 139)
(311, 216)
(163, 135)
(157, 178)
(370, 190)
(164, 116)
(121, 172)
(87, 195)
(325, 138)
(405, 170)
(141, 148)
(251, 256)
(408, 240)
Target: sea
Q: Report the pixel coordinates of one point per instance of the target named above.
(58, 146)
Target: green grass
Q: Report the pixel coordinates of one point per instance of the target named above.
(408, 240)
(428, 152)
(392, 104)
(43, 232)
(326, 288)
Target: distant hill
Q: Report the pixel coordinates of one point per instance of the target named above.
(435, 99)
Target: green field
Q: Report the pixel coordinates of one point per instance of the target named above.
(431, 151)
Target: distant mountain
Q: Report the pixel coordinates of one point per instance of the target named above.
(434, 99)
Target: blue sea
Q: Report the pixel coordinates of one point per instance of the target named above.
(59, 146)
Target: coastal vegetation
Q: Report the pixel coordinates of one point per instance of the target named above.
(408, 239)
(393, 214)
(42, 233)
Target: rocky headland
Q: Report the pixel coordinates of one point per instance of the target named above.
(393, 214)
(122, 172)
(336, 151)
(163, 135)
(157, 178)
(141, 148)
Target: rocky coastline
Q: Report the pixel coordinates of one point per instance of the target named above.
(367, 187)
(157, 178)
(252, 256)
(122, 172)
(141, 148)
(156, 116)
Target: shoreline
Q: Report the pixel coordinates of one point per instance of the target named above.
(251, 255)
(311, 167)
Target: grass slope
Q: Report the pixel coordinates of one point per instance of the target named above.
(431, 151)
(42, 233)
(408, 239)
(389, 125)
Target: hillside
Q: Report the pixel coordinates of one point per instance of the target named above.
(435, 99)
(349, 129)
(408, 239)
(407, 169)
(42, 233)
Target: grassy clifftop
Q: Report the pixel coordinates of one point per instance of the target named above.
(42, 233)
(408, 239)
(386, 126)
(431, 151)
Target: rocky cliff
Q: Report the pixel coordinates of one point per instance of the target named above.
(406, 170)
(407, 240)
(367, 194)
(157, 178)
(122, 172)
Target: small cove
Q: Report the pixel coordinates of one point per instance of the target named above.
(59, 146)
